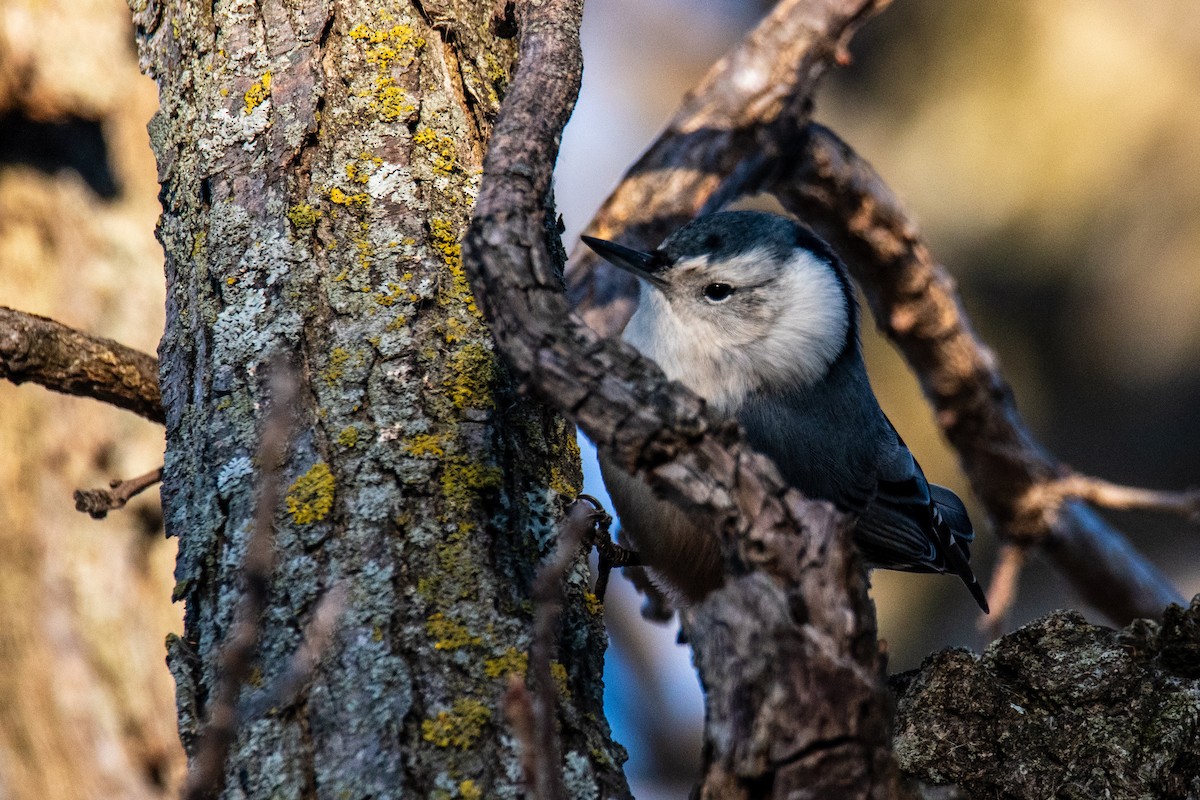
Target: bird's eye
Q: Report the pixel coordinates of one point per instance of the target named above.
(717, 292)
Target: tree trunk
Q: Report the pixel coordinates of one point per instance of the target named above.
(318, 164)
(85, 704)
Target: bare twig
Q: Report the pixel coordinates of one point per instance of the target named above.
(518, 710)
(206, 774)
(98, 502)
(731, 127)
(1002, 592)
(37, 349)
(1049, 497)
(547, 597)
(795, 594)
(313, 644)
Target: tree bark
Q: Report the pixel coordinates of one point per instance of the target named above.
(318, 164)
(1060, 708)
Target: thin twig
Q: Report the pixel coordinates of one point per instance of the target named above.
(547, 597)
(1105, 494)
(518, 710)
(314, 642)
(38, 349)
(1002, 592)
(98, 502)
(206, 774)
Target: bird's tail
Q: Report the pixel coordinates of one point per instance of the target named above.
(956, 534)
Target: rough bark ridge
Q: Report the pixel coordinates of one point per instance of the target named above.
(1060, 708)
(318, 162)
(787, 648)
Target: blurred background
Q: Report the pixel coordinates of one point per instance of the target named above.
(1051, 153)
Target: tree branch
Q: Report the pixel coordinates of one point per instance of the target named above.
(62, 359)
(98, 502)
(730, 128)
(794, 582)
(915, 302)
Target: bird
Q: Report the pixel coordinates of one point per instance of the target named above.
(757, 315)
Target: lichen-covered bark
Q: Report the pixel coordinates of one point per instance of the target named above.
(1060, 708)
(318, 163)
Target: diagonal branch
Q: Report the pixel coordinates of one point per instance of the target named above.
(915, 302)
(730, 128)
(805, 649)
(37, 349)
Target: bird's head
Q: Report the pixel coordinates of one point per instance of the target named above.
(737, 300)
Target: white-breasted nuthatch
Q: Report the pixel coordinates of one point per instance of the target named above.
(756, 314)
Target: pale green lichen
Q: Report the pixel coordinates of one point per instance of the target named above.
(459, 727)
(310, 497)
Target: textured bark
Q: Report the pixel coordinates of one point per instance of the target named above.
(1060, 708)
(86, 705)
(807, 715)
(318, 163)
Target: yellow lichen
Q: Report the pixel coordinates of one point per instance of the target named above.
(593, 604)
(337, 362)
(559, 673)
(442, 147)
(463, 481)
(425, 444)
(450, 634)
(348, 436)
(302, 215)
(392, 101)
(395, 293)
(511, 661)
(310, 497)
(469, 791)
(472, 372)
(338, 197)
(459, 727)
(445, 242)
(258, 93)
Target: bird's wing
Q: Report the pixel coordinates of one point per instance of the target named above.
(919, 526)
(896, 530)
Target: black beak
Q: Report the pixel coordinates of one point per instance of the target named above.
(644, 265)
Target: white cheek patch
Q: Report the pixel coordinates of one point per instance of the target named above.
(812, 326)
(723, 357)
